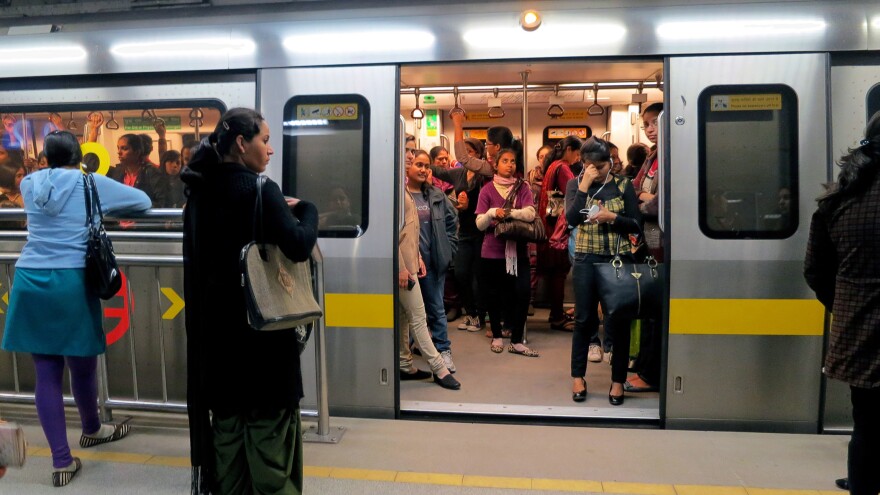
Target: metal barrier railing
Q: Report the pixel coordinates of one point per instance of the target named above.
(320, 433)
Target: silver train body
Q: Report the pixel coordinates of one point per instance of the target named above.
(743, 336)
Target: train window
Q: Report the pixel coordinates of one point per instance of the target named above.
(326, 159)
(748, 172)
(166, 132)
(872, 103)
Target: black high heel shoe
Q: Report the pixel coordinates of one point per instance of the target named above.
(582, 395)
(615, 400)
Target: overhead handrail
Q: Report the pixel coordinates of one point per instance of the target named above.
(71, 124)
(596, 109)
(456, 110)
(112, 124)
(150, 115)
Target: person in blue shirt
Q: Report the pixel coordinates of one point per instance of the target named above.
(52, 314)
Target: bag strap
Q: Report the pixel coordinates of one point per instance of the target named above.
(258, 211)
(511, 195)
(93, 201)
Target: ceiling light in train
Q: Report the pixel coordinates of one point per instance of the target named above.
(555, 110)
(417, 113)
(530, 20)
(360, 41)
(562, 36)
(185, 47)
(306, 123)
(45, 54)
(495, 110)
(699, 30)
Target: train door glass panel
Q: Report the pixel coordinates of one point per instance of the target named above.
(873, 101)
(748, 173)
(326, 159)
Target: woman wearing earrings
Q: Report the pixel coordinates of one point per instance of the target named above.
(597, 238)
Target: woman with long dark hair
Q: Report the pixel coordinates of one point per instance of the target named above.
(52, 313)
(243, 386)
(133, 169)
(843, 269)
(553, 264)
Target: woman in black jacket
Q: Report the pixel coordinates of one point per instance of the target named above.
(249, 381)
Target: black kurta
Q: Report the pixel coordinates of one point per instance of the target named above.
(231, 367)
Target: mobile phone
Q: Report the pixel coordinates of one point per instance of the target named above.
(594, 210)
(410, 284)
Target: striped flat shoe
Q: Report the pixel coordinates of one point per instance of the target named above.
(62, 478)
(119, 431)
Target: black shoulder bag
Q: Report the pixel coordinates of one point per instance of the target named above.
(629, 289)
(511, 229)
(102, 273)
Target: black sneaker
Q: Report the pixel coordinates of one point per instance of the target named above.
(416, 375)
(448, 381)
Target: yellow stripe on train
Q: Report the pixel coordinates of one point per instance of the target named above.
(746, 317)
(359, 310)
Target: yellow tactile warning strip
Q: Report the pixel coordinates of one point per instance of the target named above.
(459, 479)
(746, 317)
(359, 310)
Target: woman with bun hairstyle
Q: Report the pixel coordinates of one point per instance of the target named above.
(597, 238)
(52, 313)
(243, 386)
(843, 269)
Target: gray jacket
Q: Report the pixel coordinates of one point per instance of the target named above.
(444, 225)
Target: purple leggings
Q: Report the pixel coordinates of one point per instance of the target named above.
(50, 406)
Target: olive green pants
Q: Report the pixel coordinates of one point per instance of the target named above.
(259, 453)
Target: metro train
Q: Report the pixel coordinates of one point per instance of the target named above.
(759, 98)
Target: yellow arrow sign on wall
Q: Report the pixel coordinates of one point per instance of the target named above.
(176, 303)
(5, 300)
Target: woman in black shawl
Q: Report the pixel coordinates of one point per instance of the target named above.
(247, 382)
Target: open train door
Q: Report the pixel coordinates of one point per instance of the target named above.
(334, 132)
(746, 159)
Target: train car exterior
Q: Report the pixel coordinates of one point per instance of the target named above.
(743, 335)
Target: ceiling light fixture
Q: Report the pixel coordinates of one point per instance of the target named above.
(749, 29)
(377, 40)
(530, 20)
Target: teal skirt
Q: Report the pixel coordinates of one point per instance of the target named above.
(52, 312)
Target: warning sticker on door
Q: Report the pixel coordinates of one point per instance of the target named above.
(732, 103)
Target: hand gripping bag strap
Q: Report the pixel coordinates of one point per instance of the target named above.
(628, 289)
(278, 291)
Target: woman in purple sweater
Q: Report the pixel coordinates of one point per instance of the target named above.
(505, 263)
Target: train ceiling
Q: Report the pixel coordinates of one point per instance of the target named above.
(507, 74)
(41, 10)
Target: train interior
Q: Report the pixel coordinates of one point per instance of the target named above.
(600, 98)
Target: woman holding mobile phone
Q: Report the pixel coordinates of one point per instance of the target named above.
(605, 210)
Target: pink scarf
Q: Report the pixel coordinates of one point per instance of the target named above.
(509, 246)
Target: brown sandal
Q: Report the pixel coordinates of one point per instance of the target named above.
(527, 353)
(497, 349)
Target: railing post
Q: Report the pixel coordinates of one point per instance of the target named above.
(322, 433)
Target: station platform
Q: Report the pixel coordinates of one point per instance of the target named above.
(438, 457)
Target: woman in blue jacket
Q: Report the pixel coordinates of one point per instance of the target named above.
(52, 314)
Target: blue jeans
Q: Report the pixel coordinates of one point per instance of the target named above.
(586, 320)
(432, 293)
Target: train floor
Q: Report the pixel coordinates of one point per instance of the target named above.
(506, 384)
(435, 457)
